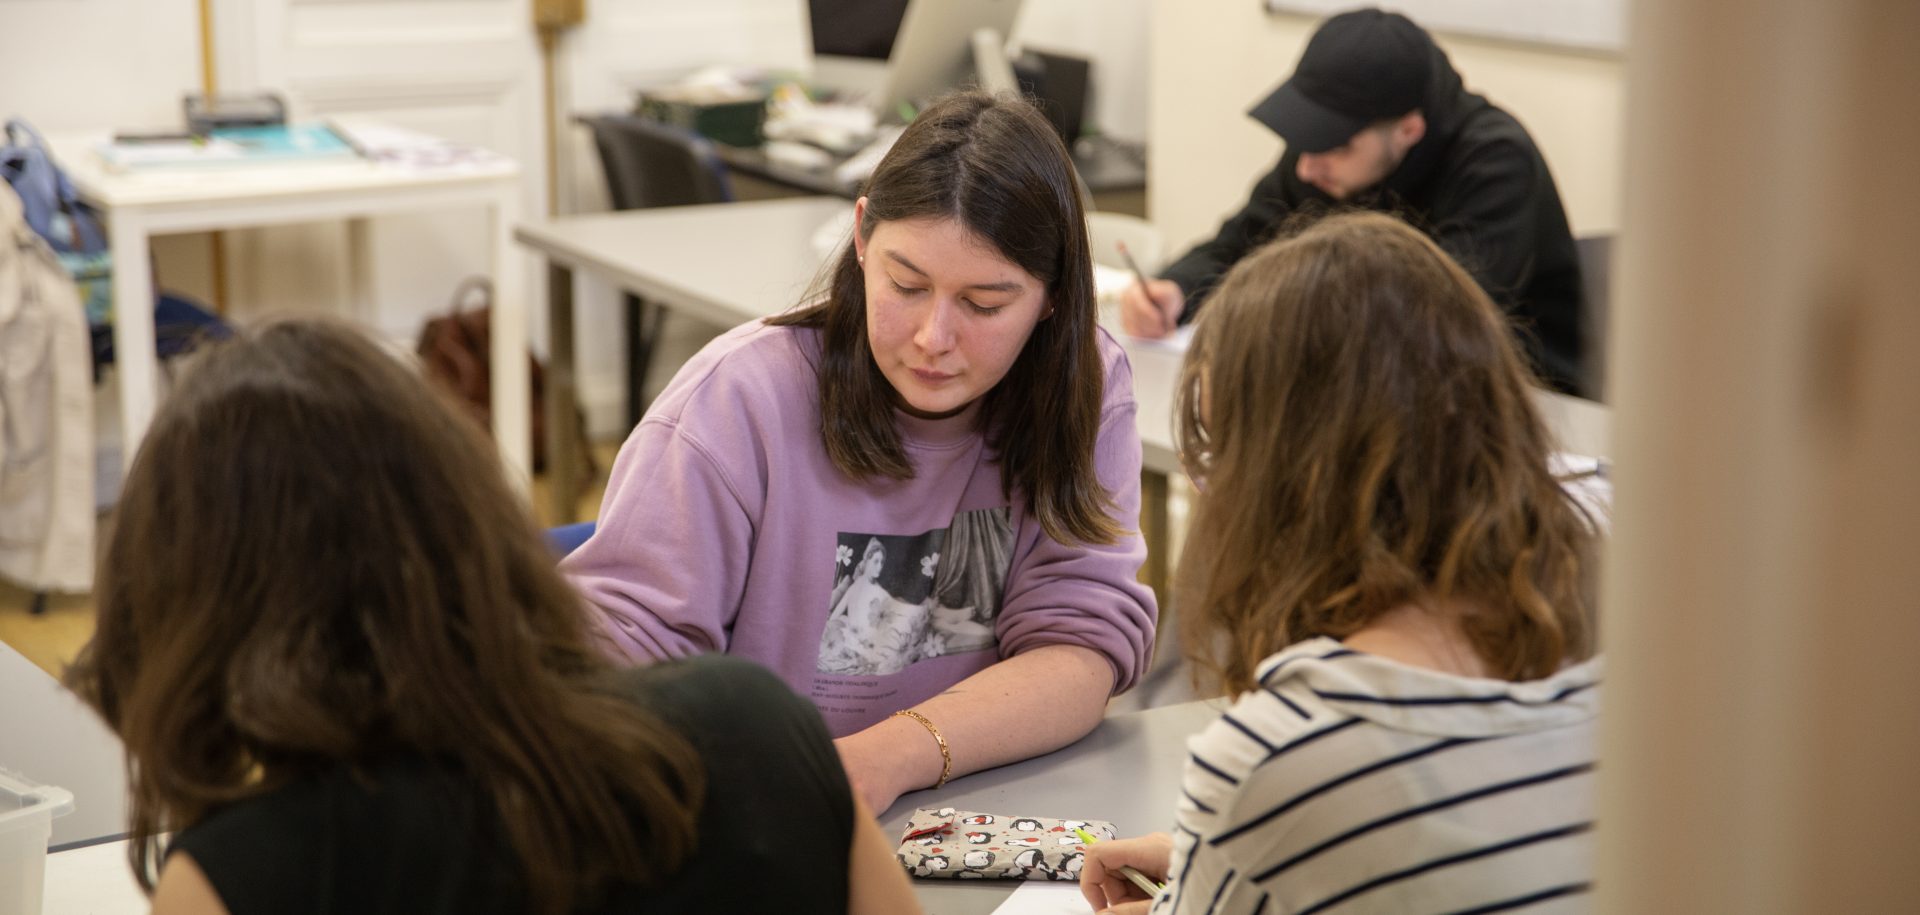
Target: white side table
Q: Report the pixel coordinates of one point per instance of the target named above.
(139, 204)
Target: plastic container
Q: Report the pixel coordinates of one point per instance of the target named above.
(731, 119)
(26, 821)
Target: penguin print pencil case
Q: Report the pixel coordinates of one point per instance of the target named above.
(944, 842)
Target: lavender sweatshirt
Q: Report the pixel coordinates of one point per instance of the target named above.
(726, 528)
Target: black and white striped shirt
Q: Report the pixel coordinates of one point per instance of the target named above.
(1351, 784)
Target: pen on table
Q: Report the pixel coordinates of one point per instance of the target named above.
(1139, 276)
(1140, 880)
(346, 136)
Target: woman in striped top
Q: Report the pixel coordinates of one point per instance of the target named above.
(1387, 573)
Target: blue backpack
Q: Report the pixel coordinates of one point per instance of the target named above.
(54, 212)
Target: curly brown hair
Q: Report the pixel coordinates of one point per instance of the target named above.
(1360, 423)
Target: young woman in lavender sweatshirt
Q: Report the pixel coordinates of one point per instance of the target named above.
(944, 402)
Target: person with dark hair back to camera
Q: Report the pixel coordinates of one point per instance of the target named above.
(1375, 117)
(350, 679)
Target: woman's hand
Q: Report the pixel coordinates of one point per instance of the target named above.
(1107, 889)
(1151, 311)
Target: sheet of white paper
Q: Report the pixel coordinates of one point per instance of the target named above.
(94, 880)
(1045, 897)
(1177, 342)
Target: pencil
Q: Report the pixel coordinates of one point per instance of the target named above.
(1139, 276)
(1133, 265)
(346, 136)
(1140, 880)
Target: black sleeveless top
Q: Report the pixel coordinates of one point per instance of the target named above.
(405, 837)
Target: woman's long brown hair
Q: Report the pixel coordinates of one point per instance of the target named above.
(1358, 419)
(995, 165)
(318, 564)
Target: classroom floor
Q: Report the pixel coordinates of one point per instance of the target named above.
(52, 639)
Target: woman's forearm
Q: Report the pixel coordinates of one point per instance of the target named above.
(1029, 704)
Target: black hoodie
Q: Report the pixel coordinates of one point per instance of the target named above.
(1475, 184)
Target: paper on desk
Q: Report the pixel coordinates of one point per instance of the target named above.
(1045, 897)
(94, 880)
(1174, 342)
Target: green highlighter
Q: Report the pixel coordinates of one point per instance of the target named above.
(1139, 879)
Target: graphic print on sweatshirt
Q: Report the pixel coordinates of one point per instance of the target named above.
(901, 598)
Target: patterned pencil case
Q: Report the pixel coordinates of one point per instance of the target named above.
(945, 842)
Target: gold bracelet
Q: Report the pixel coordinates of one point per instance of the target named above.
(946, 756)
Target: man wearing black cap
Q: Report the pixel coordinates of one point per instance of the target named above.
(1375, 117)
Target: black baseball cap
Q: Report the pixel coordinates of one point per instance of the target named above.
(1360, 67)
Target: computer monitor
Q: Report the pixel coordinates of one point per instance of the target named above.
(851, 40)
(933, 51)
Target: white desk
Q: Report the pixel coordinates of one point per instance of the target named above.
(158, 201)
(48, 735)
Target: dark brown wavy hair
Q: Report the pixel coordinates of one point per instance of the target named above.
(1359, 422)
(995, 165)
(317, 563)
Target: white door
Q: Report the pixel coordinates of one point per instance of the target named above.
(466, 70)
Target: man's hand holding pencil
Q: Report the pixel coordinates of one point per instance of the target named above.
(1149, 307)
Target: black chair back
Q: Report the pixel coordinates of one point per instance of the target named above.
(650, 164)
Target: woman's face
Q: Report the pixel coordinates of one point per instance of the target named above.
(947, 314)
(870, 567)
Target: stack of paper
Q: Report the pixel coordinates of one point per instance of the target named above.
(232, 146)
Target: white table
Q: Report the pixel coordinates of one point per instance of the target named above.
(48, 735)
(153, 201)
(92, 880)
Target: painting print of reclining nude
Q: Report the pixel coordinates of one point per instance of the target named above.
(902, 598)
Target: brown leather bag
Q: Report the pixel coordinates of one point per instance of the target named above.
(454, 351)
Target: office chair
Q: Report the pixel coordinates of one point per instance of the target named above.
(1595, 254)
(650, 164)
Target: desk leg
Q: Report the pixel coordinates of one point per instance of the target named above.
(133, 330)
(512, 407)
(1154, 529)
(563, 464)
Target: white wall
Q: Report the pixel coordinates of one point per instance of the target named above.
(1213, 59)
(84, 64)
(76, 64)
